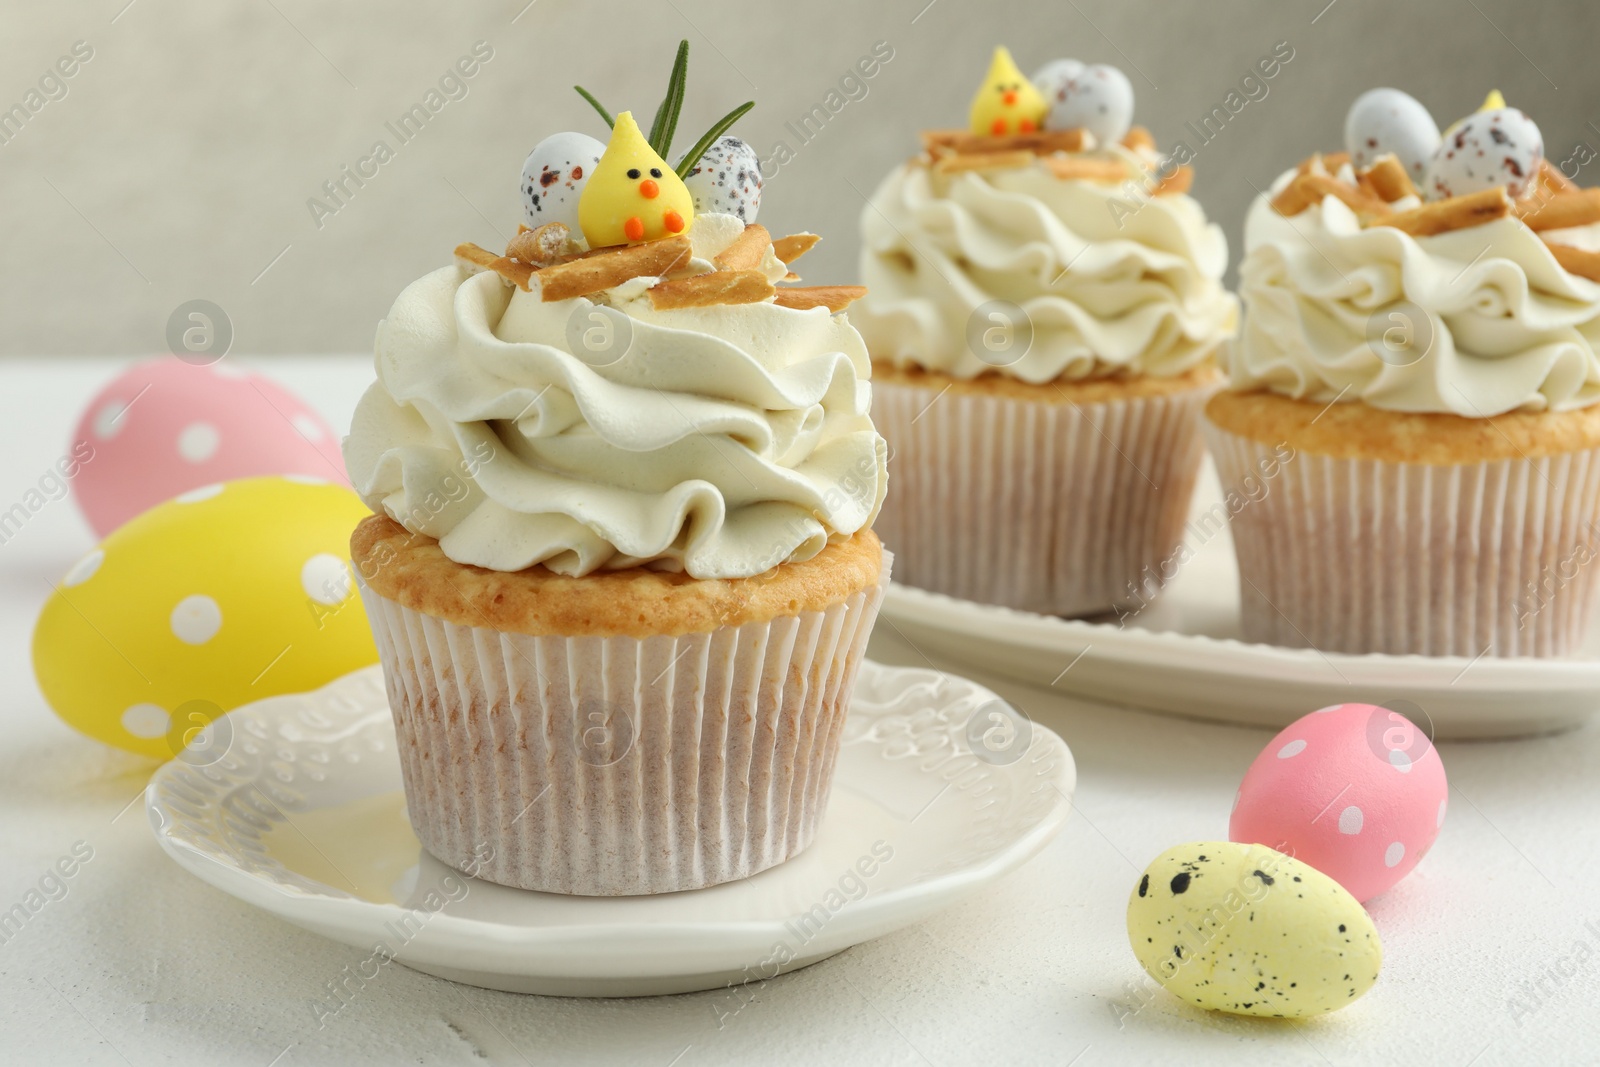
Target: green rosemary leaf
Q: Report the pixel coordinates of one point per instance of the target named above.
(666, 120)
(596, 105)
(722, 125)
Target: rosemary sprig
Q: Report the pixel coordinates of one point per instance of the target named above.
(596, 105)
(720, 127)
(665, 124)
(666, 120)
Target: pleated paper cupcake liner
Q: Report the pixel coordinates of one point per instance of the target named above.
(1056, 508)
(607, 766)
(1473, 559)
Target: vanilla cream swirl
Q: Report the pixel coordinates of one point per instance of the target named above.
(726, 440)
(1479, 321)
(1111, 280)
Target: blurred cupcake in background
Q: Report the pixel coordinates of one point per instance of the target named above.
(1422, 319)
(1045, 304)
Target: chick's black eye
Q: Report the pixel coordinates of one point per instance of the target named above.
(634, 173)
(655, 172)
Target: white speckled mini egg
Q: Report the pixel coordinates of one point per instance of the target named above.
(1490, 148)
(224, 595)
(727, 180)
(554, 175)
(1250, 931)
(1098, 99)
(1382, 121)
(1051, 78)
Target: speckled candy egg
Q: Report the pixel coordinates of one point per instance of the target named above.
(1247, 930)
(1355, 790)
(228, 594)
(1490, 148)
(1382, 121)
(1052, 78)
(553, 177)
(727, 180)
(1098, 99)
(166, 426)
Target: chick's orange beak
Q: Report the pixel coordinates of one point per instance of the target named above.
(649, 189)
(1010, 98)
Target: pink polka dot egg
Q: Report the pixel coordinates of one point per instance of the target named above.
(224, 595)
(165, 427)
(1355, 790)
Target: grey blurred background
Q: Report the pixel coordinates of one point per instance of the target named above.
(178, 161)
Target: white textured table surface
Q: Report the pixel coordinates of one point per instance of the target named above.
(1493, 944)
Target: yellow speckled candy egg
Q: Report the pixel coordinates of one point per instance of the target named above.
(219, 597)
(1248, 930)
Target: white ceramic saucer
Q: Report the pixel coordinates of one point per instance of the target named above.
(293, 804)
(1184, 655)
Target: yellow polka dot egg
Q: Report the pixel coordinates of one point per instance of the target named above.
(219, 597)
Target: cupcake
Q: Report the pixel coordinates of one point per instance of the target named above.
(1044, 312)
(620, 569)
(1415, 390)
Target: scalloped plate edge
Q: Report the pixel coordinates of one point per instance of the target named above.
(501, 951)
(1484, 697)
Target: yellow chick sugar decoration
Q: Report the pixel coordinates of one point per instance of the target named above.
(1007, 103)
(633, 195)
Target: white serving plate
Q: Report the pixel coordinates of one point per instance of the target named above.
(1184, 655)
(294, 804)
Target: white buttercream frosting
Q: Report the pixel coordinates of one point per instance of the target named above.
(726, 440)
(1502, 325)
(1110, 278)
